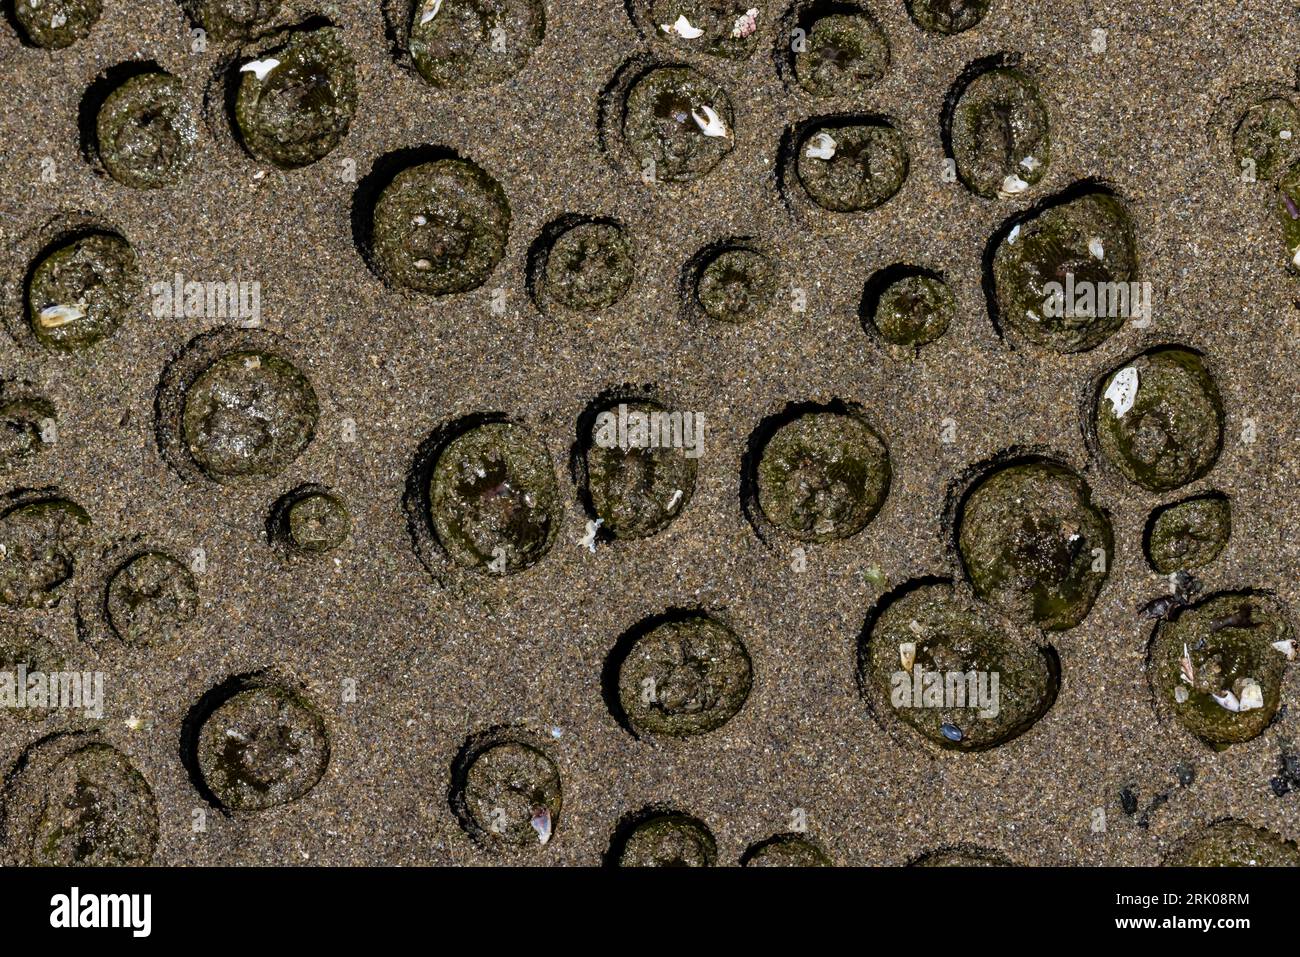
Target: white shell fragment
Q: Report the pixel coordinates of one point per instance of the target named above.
(1284, 134)
(1013, 235)
(681, 27)
(260, 68)
(1228, 701)
(710, 123)
(907, 655)
(1180, 694)
(1295, 258)
(588, 541)
(1096, 249)
(1123, 390)
(1185, 666)
(745, 25)
(541, 822)
(1030, 163)
(1250, 695)
(52, 317)
(1287, 648)
(822, 147)
(430, 10)
(674, 498)
(1012, 186)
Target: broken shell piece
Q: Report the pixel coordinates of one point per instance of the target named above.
(1031, 163)
(588, 541)
(1284, 134)
(710, 123)
(907, 655)
(260, 68)
(674, 499)
(1250, 696)
(1095, 247)
(541, 822)
(1287, 648)
(430, 10)
(682, 27)
(1013, 235)
(822, 146)
(423, 264)
(745, 25)
(1180, 694)
(253, 362)
(1185, 666)
(1227, 700)
(1012, 186)
(52, 317)
(1122, 391)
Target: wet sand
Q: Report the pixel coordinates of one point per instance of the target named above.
(432, 666)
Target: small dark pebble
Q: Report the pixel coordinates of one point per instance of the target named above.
(1128, 800)
(951, 731)
(1280, 785)
(1186, 774)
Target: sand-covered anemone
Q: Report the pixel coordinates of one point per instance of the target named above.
(816, 473)
(309, 520)
(506, 791)
(954, 671)
(841, 52)
(75, 801)
(257, 743)
(732, 281)
(42, 537)
(295, 102)
(948, 16)
(962, 855)
(850, 165)
(81, 289)
(676, 124)
(150, 599)
(664, 838)
(582, 264)
(55, 24)
(1188, 534)
(493, 500)
(999, 132)
(1217, 667)
(1064, 275)
(679, 675)
(247, 415)
(468, 44)
(24, 647)
(1158, 418)
(232, 19)
(908, 306)
(145, 131)
(786, 850)
(634, 469)
(1232, 843)
(1266, 137)
(1033, 544)
(438, 227)
(28, 424)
